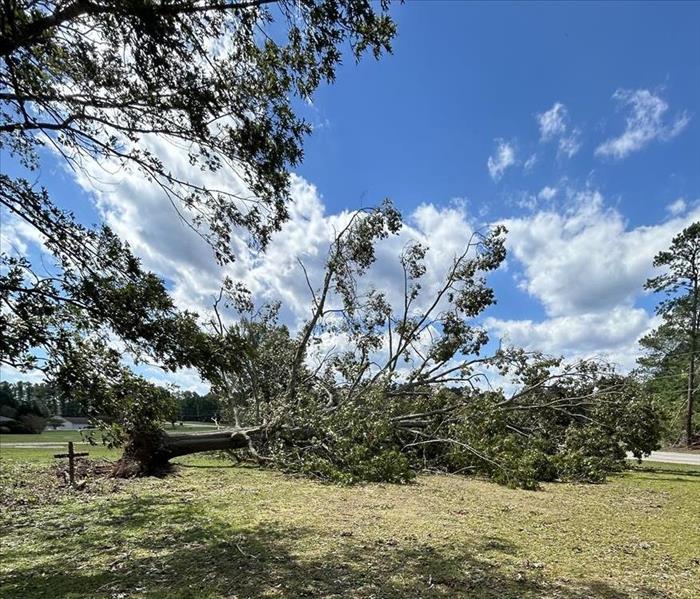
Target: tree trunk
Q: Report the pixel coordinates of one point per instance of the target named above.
(691, 389)
(150, 453)
(691, 372)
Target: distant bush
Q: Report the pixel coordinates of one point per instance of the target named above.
(32, 423)
(27, 417)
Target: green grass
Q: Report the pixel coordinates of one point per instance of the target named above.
(45, 454)
(213, 531)
(45, 437)
(59, 436)
(651, 466)
(43, 446)
(62, 437)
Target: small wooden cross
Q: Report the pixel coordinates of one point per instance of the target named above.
(71, 455)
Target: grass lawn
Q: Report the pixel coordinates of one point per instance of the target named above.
(62, 437)
(216, 531)
(47, 436)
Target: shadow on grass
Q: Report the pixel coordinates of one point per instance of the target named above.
(223, 465)
(669, 471)
(169, 548)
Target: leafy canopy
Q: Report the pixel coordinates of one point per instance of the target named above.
(96, 79)
(101, 79)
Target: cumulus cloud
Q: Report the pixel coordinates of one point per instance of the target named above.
(677, 207)
(585, 258)
(554, 125)
(17, 236)
(503, 159)
(11, 240)
(135, 209)
(644, 124)
(582, 262)
(547, 193)
(612, 335)
(587, 268)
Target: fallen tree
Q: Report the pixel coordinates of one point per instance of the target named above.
(413, 390)
(100, 82)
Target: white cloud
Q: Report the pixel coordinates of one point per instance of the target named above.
(608, 334)
(587, 268)
(644, 123)
(530, 163)
(16, 235)
(570, 145)
(12, 375)
(585, 258)
(554, 125)
(547, 193)
(553, 122)
(583, 263)
(136, 211)
(527, 201)
(12, 242)
(503, 159)
(186, 379)
(531, 201)
(677, 207)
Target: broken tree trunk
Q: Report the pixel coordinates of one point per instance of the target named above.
(184, 444)
(149, 453)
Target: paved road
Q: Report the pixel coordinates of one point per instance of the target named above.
(672, 457)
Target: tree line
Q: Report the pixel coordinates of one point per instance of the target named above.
(44, 400)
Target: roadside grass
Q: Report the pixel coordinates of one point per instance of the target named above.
(47, 436)
(43, 446)
(211, 530)
(652, 466)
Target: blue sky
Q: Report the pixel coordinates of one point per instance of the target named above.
(589, 115)
(418, 125)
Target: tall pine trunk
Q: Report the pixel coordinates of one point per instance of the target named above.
(691, 373)
(689, 413)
